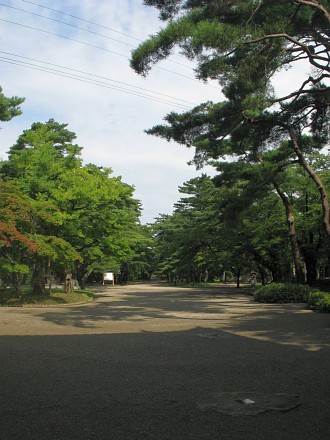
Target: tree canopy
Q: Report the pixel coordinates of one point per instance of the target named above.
(243, 45)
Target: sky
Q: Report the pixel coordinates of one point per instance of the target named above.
(70, 61)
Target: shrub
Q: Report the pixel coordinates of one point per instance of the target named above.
(282, 293)
(319, 300)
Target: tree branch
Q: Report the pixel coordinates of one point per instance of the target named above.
(314, 4)
(297, 93)
(311, 56)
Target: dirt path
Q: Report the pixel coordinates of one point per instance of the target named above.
(137, 363)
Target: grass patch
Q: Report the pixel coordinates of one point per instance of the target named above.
(57, 297)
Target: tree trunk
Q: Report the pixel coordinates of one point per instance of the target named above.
(311, 270)
(263, 275)
(68, 282)
(315, 178)
(82, 273)
(299, 272)
(16, 280)
(238, 275)
(85, 277)
(277, 275)
(39, 275)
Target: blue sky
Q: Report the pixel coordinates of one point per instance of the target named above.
(109, 123)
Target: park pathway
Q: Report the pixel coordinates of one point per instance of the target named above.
(141, 361)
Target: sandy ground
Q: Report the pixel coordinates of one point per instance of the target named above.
(138, 361)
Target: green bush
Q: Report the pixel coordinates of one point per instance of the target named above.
(319, 300)
(282, 293)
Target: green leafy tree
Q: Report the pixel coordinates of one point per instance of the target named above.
(102, 219)
(139, 263)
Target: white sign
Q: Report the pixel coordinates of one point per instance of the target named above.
(108, 276)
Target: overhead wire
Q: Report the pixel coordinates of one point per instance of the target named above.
(67, 24)
(91, 81)
(62, 36)
(81, 19)
(82, 29)
(97, 76)
(92, 78)
(93, 46)
(113, 30)
(64, 75)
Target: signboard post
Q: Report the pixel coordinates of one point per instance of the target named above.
(109, 276)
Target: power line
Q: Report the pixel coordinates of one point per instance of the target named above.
(82, 29)
(89, 81)
(118, 32)
(63, 36)
(98, 76)
(81, 19)
(66, 24)
(85, 80)
(94, 46)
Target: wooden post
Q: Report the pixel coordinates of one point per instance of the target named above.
(68, 282)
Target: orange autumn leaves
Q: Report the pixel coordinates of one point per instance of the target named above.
(15, 218)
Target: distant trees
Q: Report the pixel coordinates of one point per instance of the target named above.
(238, 225)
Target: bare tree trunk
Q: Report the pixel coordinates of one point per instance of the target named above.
(311, 267)
(16, 280)
(68, 282)
(299, 272)
(238, 275)
(38, 279)
(315, 178)
(85, 277)
(82, 273)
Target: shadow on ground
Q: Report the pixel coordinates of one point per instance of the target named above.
(139, 362)
(226, 309)
(149, 385)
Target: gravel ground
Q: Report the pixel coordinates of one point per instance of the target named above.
(140, 360)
